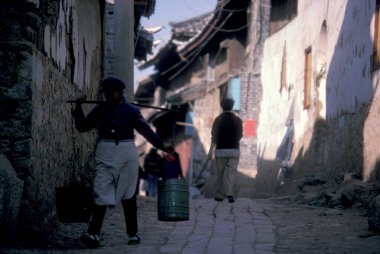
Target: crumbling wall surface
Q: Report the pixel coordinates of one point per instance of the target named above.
(18, 26)
(345, 141)
(371, 144)
(50, 52)
(351, 85)
(15, 90)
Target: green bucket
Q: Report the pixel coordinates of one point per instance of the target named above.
(173, 200)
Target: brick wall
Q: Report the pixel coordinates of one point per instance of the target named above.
(251, 86)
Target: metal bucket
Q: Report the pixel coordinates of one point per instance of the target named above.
(173, 200)
(73, 204)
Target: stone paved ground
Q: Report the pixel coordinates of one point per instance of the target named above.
(310, 229)
(247, 226)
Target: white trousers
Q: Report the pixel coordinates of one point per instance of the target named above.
(116, 172)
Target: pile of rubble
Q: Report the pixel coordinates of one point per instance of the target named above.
(348, 192)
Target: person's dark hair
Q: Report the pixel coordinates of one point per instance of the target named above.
(227, 104)
(111, 84)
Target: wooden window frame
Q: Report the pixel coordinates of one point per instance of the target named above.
(376, 41)
(237, 97)
(308, 78)
(283, 81)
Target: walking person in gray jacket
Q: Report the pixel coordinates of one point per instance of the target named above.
(226, 133)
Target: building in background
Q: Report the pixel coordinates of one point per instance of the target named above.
(203, 62)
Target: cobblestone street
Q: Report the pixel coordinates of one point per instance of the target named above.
(246, 226)
(275, 103)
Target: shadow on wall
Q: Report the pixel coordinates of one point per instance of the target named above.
(266, 178)
(374, 175)
(269, 171)
(349, 92)
(201, 166)
(341, 143)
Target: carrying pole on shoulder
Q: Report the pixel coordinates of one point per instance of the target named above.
(136, 104)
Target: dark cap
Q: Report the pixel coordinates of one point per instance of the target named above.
(227, 104)
(111, 84)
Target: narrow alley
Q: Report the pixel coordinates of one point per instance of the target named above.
(247, 226)
(296, 80)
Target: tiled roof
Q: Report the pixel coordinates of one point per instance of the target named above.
(182, 34)
(183, 31)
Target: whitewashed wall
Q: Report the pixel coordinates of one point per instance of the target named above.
(341, 98)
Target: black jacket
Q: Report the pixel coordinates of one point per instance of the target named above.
(116, 123)
(227, 131)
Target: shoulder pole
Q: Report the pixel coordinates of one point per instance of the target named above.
(136, 104)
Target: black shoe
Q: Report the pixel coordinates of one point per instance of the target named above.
(91, 241)
(218, 199)
(231, 199)
(133, 240)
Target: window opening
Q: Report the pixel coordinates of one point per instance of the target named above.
(376, 41)
(283, 71)
(234, 92)
(308, 78)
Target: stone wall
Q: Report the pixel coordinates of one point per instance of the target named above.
(50, 51)
(10, 200)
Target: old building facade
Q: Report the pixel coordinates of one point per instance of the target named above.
(320, 96)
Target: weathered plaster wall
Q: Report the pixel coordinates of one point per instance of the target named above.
(276, 106)
(328, 137)
(371, 146)
(55, 53)
(206, 109)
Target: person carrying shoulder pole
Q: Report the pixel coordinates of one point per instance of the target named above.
(227, 130)
(116, 157)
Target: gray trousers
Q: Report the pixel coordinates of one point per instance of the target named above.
(226, 170)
